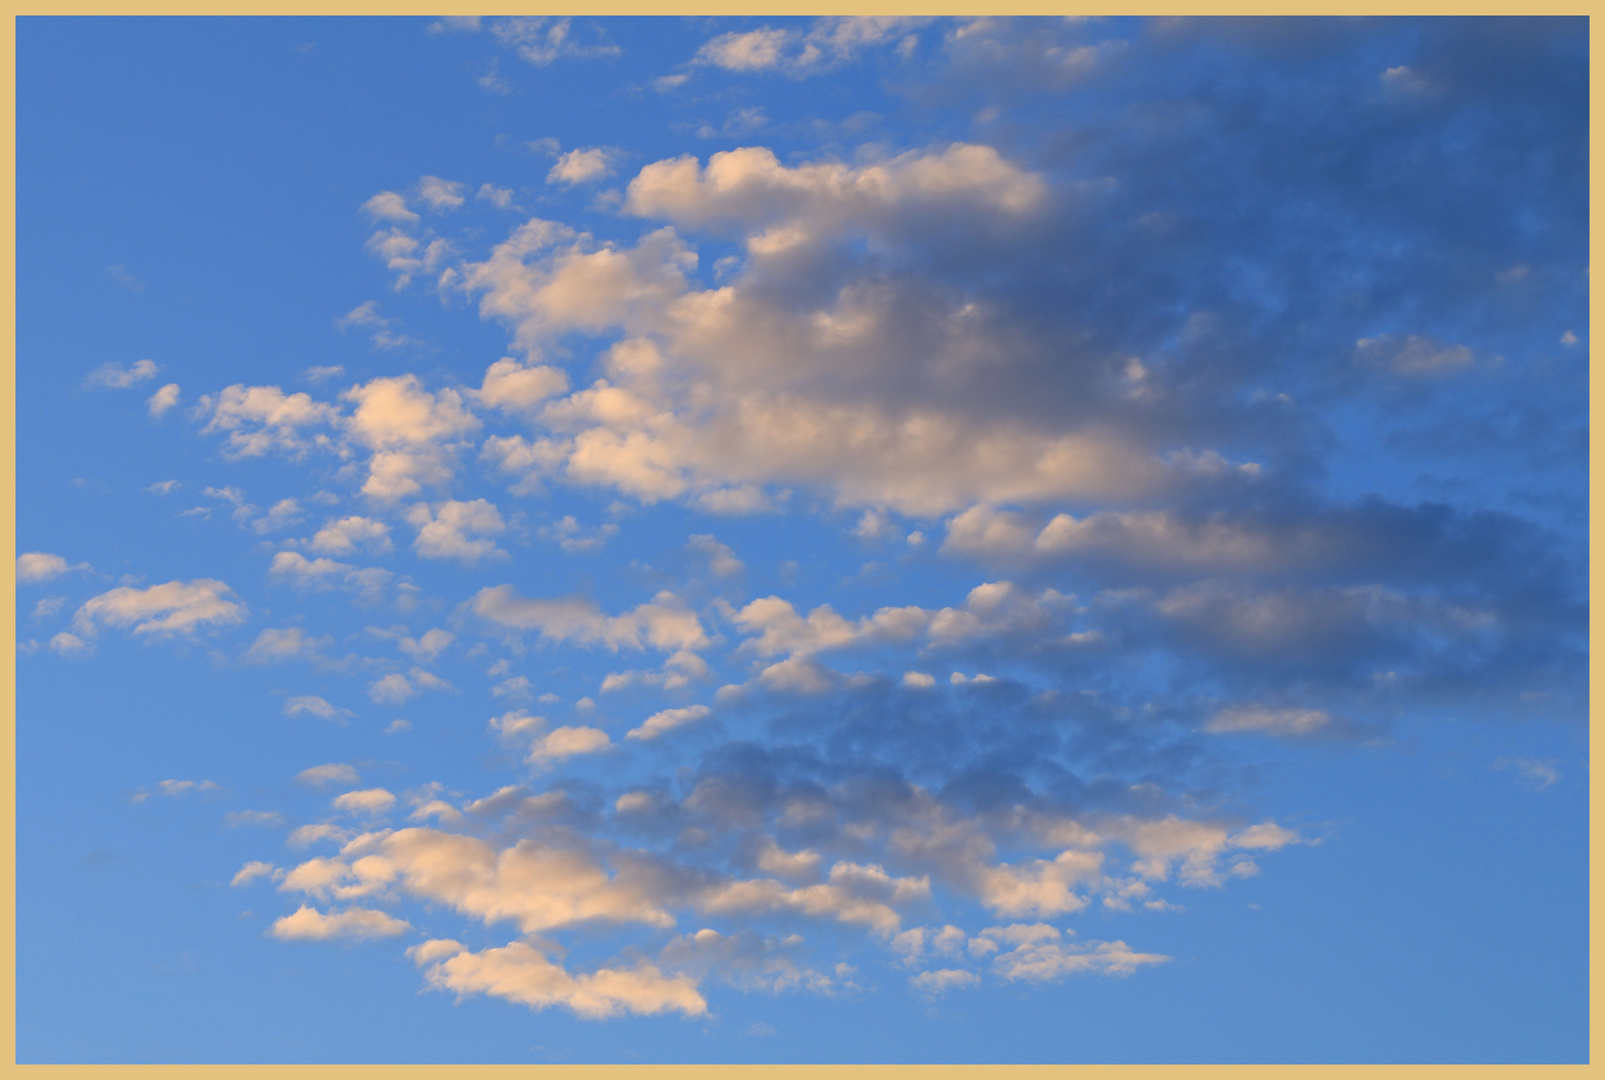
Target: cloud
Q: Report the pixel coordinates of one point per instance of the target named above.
(513, 387)
(1044, 958)
(270, 819)
(664, 624)
(660, 723)
(37, 566)
(1411, 355)
(721, 560)
(395, 688)
(936, 983)
(259, 419)
(309, 924)
(291, 643)
(308, 704)
(519, 972)
(1269, 721)
(536, 886)
(388, 206)
(541, 40)
(412, 432)
(163, 399)
(178, 607)
(368, 803)
(427, 645)
(565, 742)
(500, 198)
(250, 872)
(828, 43)
(113, 376)
(582, 166)
(457, 530)
(1542, 774)
(322, 775)
(351, 534)
(441, 195)
(323, 573)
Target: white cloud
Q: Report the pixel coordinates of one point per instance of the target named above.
(291, 643)
(368, 802)
(178, 607)
(1268, 721)
(457, 530)
(1542, 774)
(309, 924)
(441, 195)
(35, 566)
(519, 972)
(309, 704)
(513, 387)
(499, 197)
(280, 515)
(541, 40)
(250, 872)
(323, 573)
(573, 538)
(428, 645)
(1040, 956)
(828, 43)
(661, 723)
(388, 206)
(538, 887)
(1412, 354)
(112, 376)
(939, 982)
(565, 742)
(323, 374)
(258, 419)
(270, 819)
(721, 560)
(664, 624)
(351, 534)
(581, 166)
(321, 775)
(413, 434)
(162, 399)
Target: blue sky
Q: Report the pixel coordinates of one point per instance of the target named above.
(791, 540)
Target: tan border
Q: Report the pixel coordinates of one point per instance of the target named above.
(8, 472)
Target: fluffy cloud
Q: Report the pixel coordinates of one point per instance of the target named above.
(1040, 956)
(163, 399)
(310, 704)
(259, 419)
(292, 643)
(351, 534)
(664, 624)
(322, 775)
(322, 573)
(660, 723)
(309, 924)
(412, 433)
(112, 376)
(178, 607)
(828, 43)
(566, 742)
(33, 566)
(520, 972)
(538, 887)
(457, 530)
(581, 166)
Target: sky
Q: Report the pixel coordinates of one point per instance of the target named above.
(884, 540)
